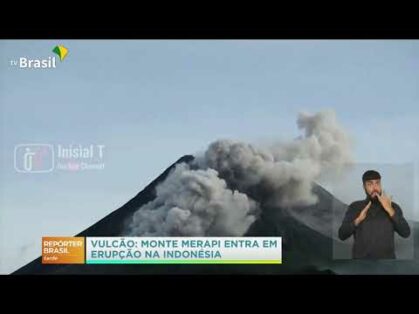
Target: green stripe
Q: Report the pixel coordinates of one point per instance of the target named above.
(171, 261)
(57, 51)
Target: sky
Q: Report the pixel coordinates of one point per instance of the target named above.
(149, 102)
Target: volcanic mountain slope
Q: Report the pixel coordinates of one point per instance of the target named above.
(307, 235)
(111, 225)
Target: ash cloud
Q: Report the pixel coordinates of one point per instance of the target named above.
(283, 174)
(194, 203)
(223, 189)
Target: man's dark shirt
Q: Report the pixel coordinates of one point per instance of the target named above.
(373, 237)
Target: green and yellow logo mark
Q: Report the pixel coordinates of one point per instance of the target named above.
(61, 51)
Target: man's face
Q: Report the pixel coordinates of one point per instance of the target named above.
(372, 188)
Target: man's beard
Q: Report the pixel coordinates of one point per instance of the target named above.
(373, 199)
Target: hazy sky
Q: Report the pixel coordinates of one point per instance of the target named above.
(150, 102)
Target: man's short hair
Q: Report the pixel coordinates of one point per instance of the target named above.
(370, 175)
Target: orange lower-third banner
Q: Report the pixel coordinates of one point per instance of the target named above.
(161, 250)
(63, 250)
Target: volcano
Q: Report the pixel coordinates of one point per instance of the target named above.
(307, 233)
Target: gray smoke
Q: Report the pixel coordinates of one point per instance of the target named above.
(220, 192)
(283, 174)
(194, 203)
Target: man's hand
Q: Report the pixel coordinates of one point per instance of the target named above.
(362, 215)
(386, 203)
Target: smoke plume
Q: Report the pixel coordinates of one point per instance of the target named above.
(221, 192)
(194, 203)
(282, 173)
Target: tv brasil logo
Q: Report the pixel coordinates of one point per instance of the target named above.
(46, 63)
